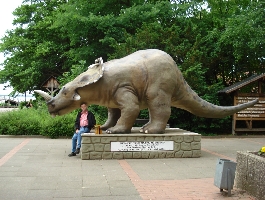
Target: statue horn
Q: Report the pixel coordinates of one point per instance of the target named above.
(46, 96)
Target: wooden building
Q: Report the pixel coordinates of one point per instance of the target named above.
(245, 91)
(51, 84)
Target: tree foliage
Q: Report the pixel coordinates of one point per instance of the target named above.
(214, 42)
(34, 49)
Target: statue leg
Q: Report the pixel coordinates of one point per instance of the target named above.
(129, 107)
(113, 116)
(159, 112)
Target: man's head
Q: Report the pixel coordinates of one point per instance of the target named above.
(83, 107)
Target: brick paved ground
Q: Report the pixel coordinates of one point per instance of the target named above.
(38, 168)
(202, 188)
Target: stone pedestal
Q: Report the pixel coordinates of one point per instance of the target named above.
(174, 143)
(250, 174)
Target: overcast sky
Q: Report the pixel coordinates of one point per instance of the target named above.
(6, 16)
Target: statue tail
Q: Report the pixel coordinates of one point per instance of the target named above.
(199, 107)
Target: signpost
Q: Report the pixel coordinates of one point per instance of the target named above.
(257, 112)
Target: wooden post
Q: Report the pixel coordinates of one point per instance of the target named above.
(234, 124)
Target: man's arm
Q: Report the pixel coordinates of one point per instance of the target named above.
(91, 120)
(77, 122)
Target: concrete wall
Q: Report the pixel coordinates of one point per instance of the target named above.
(99, 146)
(250, 174)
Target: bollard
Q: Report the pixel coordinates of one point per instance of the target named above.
(225, 175)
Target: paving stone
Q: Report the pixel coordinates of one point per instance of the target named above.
(92, 192)
(123, 191)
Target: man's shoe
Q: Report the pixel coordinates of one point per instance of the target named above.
(72, 154)
(77, 151)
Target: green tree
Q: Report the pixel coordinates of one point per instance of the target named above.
(34, 50)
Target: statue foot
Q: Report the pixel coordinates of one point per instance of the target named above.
(118, 130)
(104, 127)
(149, 129)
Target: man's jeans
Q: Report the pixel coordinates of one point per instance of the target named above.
(77, 138)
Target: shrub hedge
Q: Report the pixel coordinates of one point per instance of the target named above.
(37, 121)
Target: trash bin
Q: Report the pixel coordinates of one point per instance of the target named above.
(225, 175)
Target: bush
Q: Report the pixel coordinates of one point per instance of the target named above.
(100, 112)
(58, 126)
(20, 122)
(37, 121)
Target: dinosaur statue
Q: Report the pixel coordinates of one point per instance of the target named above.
(144, 79)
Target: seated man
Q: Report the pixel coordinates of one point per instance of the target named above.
(84, 122)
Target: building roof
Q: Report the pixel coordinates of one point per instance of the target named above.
(51, 82)
(241, 84)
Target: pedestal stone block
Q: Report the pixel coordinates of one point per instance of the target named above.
(106, 155)
(107, 147)
(188, 139)
(145, 154)
(99, 147)
(176, 147)
(174, 143)
(153, 154)
(95, 155)
(178, 154)
(187, 154)
(250, 174)
(88, 148)
(196, 153)
(178, 138)
(85, 156)
(195, 145)
(162, 154)
(185, 146)
(117, 155)
(127, 155)
(95, 140)
(171, 155)
(107, 140)
(197, 138)
(122, 139)
(137, 155)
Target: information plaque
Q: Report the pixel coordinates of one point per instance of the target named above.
(143, 146)
(256, 112)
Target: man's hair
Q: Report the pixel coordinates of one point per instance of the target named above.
(83, 103)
